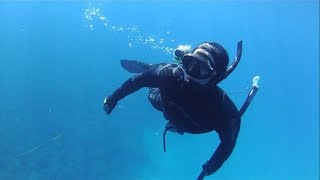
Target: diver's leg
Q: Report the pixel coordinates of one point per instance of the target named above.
(134, 66)
(155, 98)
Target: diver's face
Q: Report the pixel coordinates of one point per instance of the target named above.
(197, 69)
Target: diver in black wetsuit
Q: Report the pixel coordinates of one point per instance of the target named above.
(189, 97)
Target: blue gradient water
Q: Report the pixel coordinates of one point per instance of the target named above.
(58, 61)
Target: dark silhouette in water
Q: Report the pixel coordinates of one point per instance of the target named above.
(189, 97)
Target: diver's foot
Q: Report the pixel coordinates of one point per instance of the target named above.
(134, 66)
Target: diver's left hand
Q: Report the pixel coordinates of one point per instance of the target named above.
(109, 104)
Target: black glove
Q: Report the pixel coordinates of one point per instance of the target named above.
(109, 104)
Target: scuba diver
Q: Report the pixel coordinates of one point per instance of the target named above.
(187, 94)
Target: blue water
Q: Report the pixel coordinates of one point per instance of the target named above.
(58, 61)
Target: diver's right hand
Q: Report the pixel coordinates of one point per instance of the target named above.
(109, 104)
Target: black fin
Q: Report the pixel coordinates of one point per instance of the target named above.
(134, 66)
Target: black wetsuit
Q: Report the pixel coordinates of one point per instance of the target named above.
(190, 107)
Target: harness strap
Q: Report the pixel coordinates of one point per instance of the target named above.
(164, 137)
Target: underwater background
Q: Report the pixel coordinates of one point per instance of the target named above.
(59, 60)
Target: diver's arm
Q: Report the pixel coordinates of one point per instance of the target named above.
(228, 140)
(153, 77)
